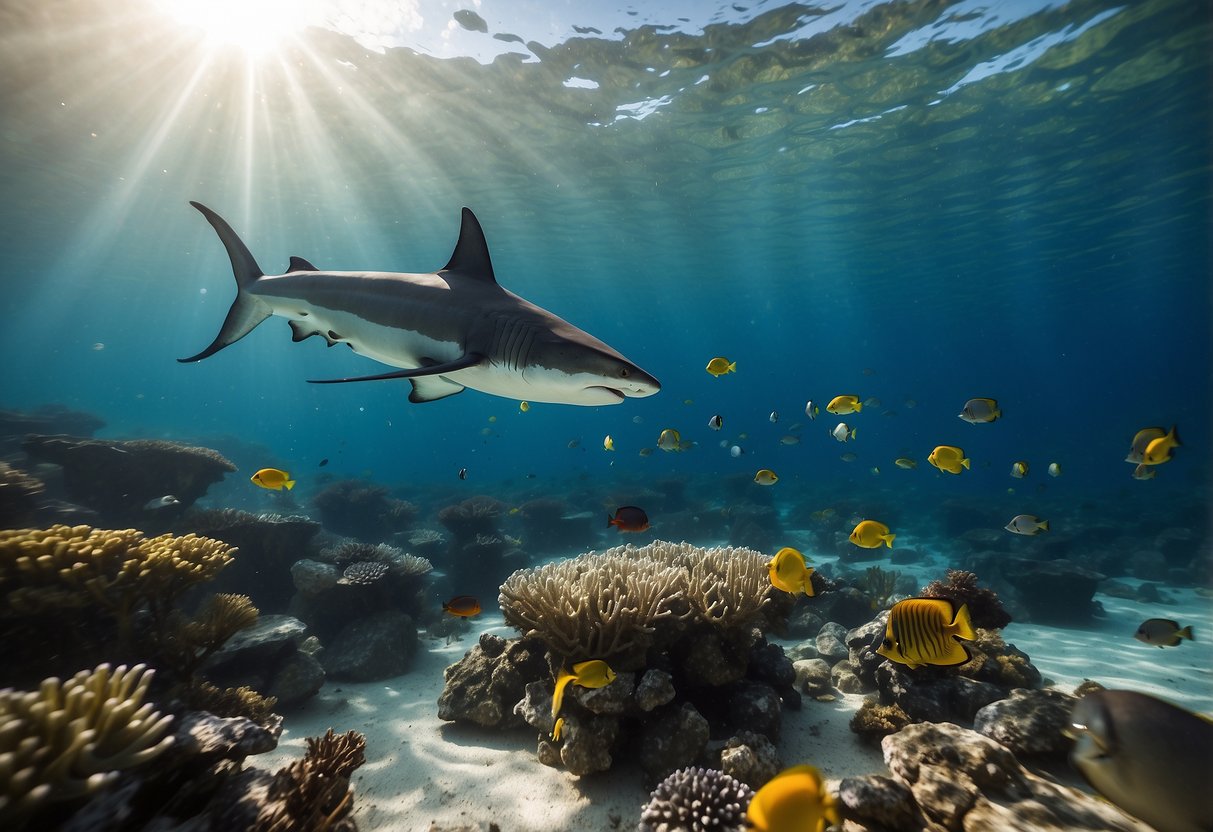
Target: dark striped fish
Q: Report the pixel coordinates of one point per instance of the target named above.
(924, 631)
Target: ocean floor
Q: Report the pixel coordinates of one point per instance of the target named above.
(421, 770)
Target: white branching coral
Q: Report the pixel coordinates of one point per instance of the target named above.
(68, 739)
(608, 604)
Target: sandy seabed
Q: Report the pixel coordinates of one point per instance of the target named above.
(421, 770)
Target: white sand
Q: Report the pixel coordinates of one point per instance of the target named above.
(421, 770)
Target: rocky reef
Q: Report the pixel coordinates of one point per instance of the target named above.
(680, 625)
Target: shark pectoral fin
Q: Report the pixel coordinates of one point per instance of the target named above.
(432, 388)
(298, 264)
(471, 359)
(471, 254)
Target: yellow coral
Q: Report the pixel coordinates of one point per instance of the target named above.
(45, 570)
(68, 739)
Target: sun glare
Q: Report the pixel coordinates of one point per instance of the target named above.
(256, 26)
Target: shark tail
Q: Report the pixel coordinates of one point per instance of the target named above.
(247, 310)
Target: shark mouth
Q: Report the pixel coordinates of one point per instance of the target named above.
(618, 393)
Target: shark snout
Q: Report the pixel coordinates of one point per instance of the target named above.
(638, 384)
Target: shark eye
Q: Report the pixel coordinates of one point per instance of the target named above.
(623, 372)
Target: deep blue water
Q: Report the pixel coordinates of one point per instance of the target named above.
(919, 202)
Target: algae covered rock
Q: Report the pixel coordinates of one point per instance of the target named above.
(483, 687)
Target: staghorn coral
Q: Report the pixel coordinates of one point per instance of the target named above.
(69, 739)
(314, 793)
(697, 800)
(961, 587)
(19, 493)
(609, 604)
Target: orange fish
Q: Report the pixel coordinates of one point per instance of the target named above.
(629, 519)
(464, 606)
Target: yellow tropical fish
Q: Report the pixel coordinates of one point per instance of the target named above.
(924, 631)
(720, 365)
(869, 534)
(949, 458)
(795, 800)
(1160, 450)
(669, 440)
(906, 463)
(273, 479)
(1019, 470)
(842, 405)
(524, 406)
(608, 444)
(592, 674)
(789, 572)
(766, 477)
(1137, 451)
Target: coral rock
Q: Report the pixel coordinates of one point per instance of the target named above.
(750, 758)
(656, 688)
(812, 676)
(377, 647)
(312, 577)
(879, 801)
(587, 742)
(843, 677)
(483, 687)
(1029, 722)
(672, 738)
(758, 707)
(962, 780)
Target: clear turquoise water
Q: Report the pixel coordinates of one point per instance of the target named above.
(916, 201)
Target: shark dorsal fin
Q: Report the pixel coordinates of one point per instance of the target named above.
(298, 264)
(471, 255)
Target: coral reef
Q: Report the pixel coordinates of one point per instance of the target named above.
(274, 656)
(479, 553)
(682, 628)
(314, 793)
(19, 493)
(268, 544)
(473, 516)
(697, 798)
(356, 508)
(69, 739)
(610, 605)
(15, 425)
(228, 702)
(985, 609)
(549, 525)
(118, 478)
(363, 573)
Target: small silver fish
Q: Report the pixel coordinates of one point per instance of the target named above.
(463, 473)
(1054, 469)
(774, 417)
(1027, 524)
(842, 432)
(716, 422)
(162, 502)
(811, 410)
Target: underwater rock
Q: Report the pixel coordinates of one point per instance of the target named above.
(879, 802)
(845, 605)
(803, 623)
(812, 676)
(750, 758)
(210, 738)
(615, 698)
(843, 677)
(312, 577)
(758, 707)
(1029, 722)
(656, 688)
(586, 743)
(804, 650)
(271, 636)
(356, 508)
(671, 738)
(118, 478)
(1177, 545)
(268, 657)
(19, 497)
(379, 646)
(873, 721)
(960, 587)
(483, 686)
(58, 419)
(1055, 591)
(295, 680)
(962, 780)
(269, 545)
(830, 642)
(769, 664)
(696, 798)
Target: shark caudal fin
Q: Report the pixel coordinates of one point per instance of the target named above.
(247, 310)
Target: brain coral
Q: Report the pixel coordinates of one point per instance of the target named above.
(613, 604)
(68, 739)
